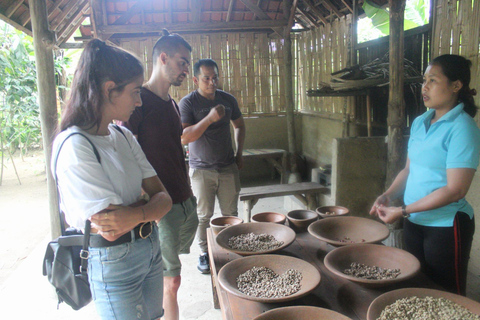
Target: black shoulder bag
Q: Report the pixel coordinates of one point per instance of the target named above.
(65, 261)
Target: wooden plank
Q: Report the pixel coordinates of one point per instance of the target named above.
(256, 9)
(230, 10)
(282, 190)
(65, 11)
(13, 7)
(315, 10)
(176, 27)
(130, 13)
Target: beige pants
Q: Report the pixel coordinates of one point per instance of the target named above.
(224, 183)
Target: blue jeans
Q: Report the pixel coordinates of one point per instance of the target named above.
(127, 280)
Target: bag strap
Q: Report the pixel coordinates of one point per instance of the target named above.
(123, 133)
(97, 155)
(84, 253)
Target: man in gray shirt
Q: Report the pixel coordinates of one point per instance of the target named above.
(206, 115)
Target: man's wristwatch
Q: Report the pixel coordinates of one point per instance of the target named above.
(404, 212)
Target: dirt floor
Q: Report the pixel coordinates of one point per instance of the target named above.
(24, 220)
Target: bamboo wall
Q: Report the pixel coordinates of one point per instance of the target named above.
(457, 31)
(250, 67)
(319, 52)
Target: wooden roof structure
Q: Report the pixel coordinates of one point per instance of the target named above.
(113, 19)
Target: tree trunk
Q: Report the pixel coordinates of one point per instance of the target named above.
(43, 40)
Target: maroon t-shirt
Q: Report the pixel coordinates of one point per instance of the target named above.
(158, 127)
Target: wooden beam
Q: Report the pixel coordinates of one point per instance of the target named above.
(196, 11)
(12, 8)
(54, 7)
(255, 9)
(307, 16)
(230, 9)
(291, 18)
(43, 46)
(72, 30)
(130, 13)
(25, 17)
(315, 10)
(16, 25)
(348, 6)
(67, 26)
(259, 4)
(72, 45)
(259, 24)
(65, 12)
(327, 4)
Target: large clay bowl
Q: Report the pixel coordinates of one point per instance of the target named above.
(220, 223)
(279, 264)
(333, 210)
(381, 256)
(273, 217)
(386, 299)
(301, 313)
(341, 231)
(280, 232)
(301, 219)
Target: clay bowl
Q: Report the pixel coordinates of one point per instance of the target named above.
(381, 256)
(273, 217)
(386, 299)
(301, 313)
(333, 210)
(342, 231)
(301, 219)
(279, 264)
(280, 232)
(220, 223)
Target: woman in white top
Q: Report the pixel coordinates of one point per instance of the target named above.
(125, 265)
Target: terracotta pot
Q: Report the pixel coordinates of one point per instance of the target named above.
(280, 232)
(279, 264)
(379, 304)
(301, 313)
(301, 219)
(372, 255)
(334, 211)
(342, 231)
(273, 217)
(220, 223)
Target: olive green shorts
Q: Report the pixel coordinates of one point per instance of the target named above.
(176, 232)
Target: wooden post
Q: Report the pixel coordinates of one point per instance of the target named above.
(289, 108)
(396, 107)
(396, 103)
(43, 40)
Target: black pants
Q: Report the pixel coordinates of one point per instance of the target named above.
(443, 251)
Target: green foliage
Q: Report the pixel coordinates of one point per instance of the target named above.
(416, 14)
(19, 110)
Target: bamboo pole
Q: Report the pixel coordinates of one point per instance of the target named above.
(43, 40)
(294, 177)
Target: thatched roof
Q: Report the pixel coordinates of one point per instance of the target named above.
(111, 19)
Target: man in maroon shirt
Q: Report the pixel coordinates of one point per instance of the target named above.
(158, 129)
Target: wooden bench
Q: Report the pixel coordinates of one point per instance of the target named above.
(304, 191)
(277, 158)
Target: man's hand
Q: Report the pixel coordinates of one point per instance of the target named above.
(216, 113)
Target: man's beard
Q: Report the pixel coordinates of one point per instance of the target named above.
(177, 82)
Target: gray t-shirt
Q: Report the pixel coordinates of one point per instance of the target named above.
(213, 149)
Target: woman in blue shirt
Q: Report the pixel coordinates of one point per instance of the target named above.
(443, 154)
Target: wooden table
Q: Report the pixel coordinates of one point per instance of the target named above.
(276, 157)
(333, 293)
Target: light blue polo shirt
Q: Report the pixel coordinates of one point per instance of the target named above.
(451, 142)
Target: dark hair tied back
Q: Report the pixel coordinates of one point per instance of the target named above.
(455, 68)
(98, 64)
